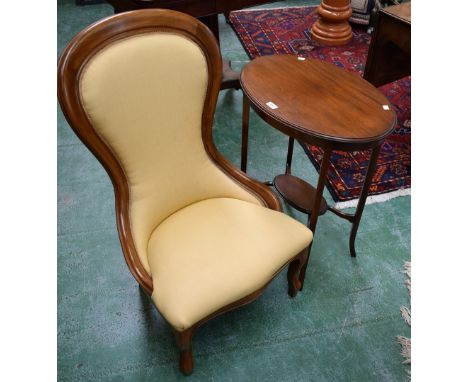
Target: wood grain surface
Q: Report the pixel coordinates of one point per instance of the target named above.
(317, 101)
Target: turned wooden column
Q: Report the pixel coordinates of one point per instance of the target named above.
(332, 27)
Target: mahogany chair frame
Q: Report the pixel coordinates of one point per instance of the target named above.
(76, 55)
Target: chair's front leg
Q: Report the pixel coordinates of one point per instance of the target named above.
(184, 342)
(294, 269)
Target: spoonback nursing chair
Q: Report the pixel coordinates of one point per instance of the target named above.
(198, 235)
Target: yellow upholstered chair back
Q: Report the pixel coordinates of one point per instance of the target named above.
(145, 96)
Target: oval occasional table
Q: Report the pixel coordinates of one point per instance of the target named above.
(321, 104)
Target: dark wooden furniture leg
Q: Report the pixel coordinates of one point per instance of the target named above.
(226, 16)
(362, 199)
(245, 132)
(184, 342)
(230, 77)
(289, 157)
(313, 217)
(294, 269)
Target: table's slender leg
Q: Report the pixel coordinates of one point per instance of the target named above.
(313, 217)
(362, 198)
(289, 157)
(245, 132)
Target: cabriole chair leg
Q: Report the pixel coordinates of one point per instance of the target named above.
(184, 342)
(294, 269)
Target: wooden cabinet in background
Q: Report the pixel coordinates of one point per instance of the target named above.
(389, 57)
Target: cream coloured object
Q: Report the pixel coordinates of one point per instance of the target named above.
(217, 251)
(144, 95)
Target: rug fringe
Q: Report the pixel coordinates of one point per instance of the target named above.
(406, 314)
(407, 268)
(405, 348)
(374, 199)
(407, 272)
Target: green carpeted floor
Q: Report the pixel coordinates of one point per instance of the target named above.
(342, 327)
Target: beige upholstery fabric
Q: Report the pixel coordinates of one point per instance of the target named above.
(144, 96)
(215, 252)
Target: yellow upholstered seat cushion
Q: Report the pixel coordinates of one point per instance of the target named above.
(217, 251)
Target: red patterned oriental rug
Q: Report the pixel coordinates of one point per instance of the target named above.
(286, 31)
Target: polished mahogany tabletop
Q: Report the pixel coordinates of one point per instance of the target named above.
(317, 102)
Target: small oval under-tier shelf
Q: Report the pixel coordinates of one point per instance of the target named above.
(298, 193)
